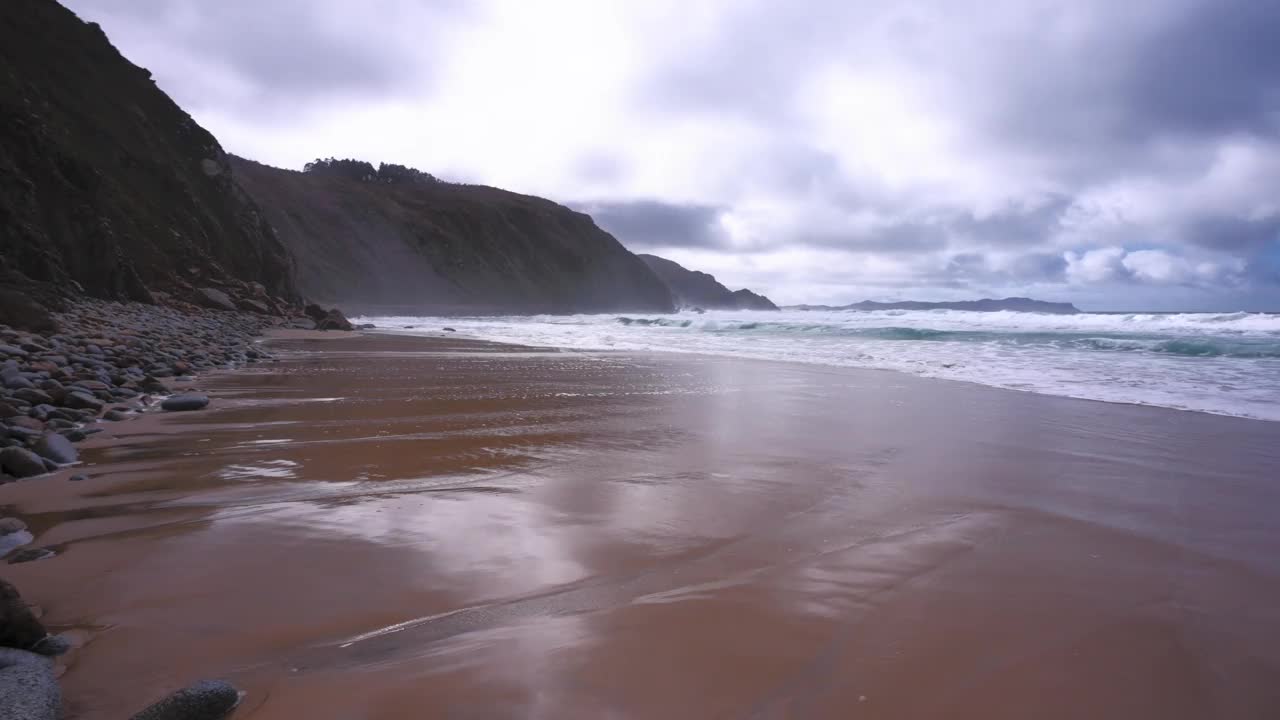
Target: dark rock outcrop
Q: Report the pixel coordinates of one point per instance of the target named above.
(371, 245)
(693, 289)
(106, 185)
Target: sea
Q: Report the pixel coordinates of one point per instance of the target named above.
(1222, 363)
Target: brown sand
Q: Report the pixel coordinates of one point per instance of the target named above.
(392, 528)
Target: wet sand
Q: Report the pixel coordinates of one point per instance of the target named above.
(389, 528)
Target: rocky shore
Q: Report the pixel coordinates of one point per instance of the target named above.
(101, 362)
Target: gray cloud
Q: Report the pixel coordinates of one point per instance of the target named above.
(643, 224)
(1066, 126)
(277, 54)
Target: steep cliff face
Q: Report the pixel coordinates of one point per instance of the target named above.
(106, 182)
(698, 289)
(375, 246)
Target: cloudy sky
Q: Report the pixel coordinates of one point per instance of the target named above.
(1120, 155)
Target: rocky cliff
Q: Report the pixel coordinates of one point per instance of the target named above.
(106, 184)
(698, 289)
(374, 240)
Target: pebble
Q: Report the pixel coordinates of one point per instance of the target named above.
(53, 646)
(185, 402)
(205, 700)
(78, 478)
(30, 554)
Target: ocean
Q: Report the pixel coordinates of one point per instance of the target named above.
(1222, 363)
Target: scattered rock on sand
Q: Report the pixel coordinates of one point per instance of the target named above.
(185, 402)
(30, 554)
(21, 463)
(19, 627)
(205, 700)
(56, 448)
(28, 688)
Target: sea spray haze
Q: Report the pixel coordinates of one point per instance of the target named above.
(1224, 363)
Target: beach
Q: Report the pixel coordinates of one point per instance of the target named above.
(388, 527)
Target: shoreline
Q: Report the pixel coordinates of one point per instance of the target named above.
(219, 525)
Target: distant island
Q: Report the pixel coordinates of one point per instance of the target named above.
(1015, 304)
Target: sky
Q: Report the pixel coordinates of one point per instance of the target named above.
(1119, 155)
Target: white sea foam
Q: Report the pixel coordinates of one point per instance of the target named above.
(1225, 363)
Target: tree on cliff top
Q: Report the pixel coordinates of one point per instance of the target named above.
(362, 171)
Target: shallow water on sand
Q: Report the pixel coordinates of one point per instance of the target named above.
(395, 528)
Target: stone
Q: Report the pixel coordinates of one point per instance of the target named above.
(78, 478)
(11, 525)
(56, 448)
(33, 396)
(12, 351)
(53, 645)
(255, 306)
(205, 700)
(18, 382)
(214, 298)
(24, 434)
(19, 627)
(335, 320)
(115, 415)
(82, 401)
(185, 402)
(28, 687)
(15, 539)
(29, 423)
(30, 554)
(7, 410)
(21, 463)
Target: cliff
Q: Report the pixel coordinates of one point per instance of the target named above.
(1013, 304)
(108, 186)
(372, 241)
(698, 289)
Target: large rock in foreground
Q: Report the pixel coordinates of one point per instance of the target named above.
(205, 700)
(19, 627)
(28, 688)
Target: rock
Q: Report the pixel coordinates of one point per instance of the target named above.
(12, 351)
(56, 448)
(185, 402)
(82, 401)
(256, 306)
(11, 525)
(78, 478)
(17, 382)
(15, 539)
(205, 700)
(7, 410)
(30, 554)
(449, 329)
(53, 645)
(20, 462)
(33, 396)
(19, 627)
(18, 432)
(29, 423)
(115, 416)
(214, 298)
(28, 687)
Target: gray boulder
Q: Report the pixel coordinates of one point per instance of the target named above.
(214, 298)
(28, 688)
(185, 402)
(56, 448)
(205, 700)
(20, 462)
(19, 627)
